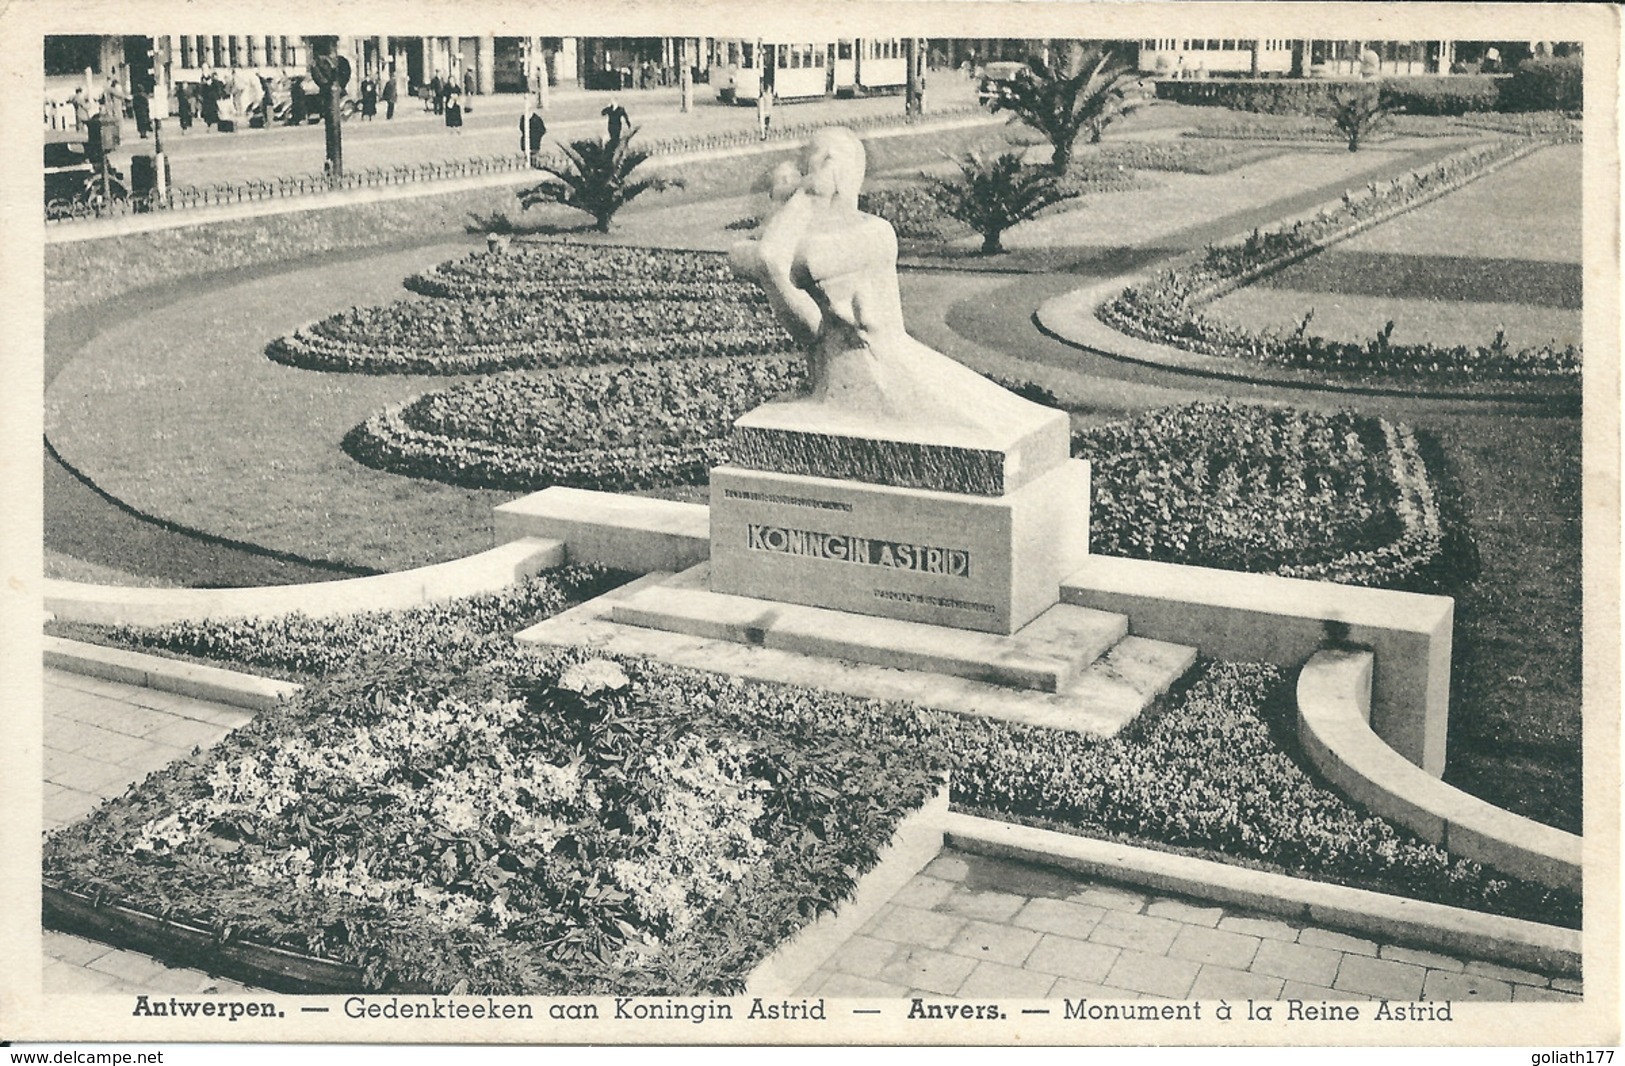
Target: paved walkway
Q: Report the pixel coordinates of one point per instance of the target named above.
(101, 737)
(975, 927)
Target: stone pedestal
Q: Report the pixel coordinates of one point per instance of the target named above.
(988, 563)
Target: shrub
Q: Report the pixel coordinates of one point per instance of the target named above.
(1356, 113)
(613, 428)
(1084, 92)
(1545, 83)
(993, 194)
(1430, 95)
(1434, 95)
(596, 177)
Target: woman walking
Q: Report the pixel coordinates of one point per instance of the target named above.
(454, 109)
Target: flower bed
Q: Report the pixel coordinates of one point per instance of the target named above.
(1166, 308)
(1325, 497)
(613, 428)
(553, 270)
(1182, 156)
(545, 305)
(916, 213)
(298, 647)
(515, 824)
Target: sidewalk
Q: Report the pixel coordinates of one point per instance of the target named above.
(974, 927)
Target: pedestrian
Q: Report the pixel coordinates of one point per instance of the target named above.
(267, 101)
(618, 120)
(469, 83)
(297, 100)
(209, 100)
(369, 99)
(646, 75)
(183, 106)
(764, 111)
(454, 109)
(437, 90)
(142, 105)
(533, 131)
(81, 107)
(389, 97)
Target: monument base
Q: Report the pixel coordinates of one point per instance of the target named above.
(986, 563)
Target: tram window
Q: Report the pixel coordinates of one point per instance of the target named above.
(784, 57)
(843, 49)
(749, 54)
(817, 55)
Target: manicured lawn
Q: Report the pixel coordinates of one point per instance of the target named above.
(1454, 271)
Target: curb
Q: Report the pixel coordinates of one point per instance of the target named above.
(1334, 713)
(916, 842)
(1428, 925)
(230, 687)
(487, 571)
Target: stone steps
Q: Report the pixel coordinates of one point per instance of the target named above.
(1072, 668)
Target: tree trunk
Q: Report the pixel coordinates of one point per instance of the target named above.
(991, 243)
(333, 122)
(914, 99)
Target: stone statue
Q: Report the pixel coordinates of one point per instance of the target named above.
(830, 273)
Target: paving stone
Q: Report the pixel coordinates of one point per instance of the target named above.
(988, 906)
(178, 981)
(1431, 959)
(74, 950)
(813, 983)
(1379, 977)
(931, 971)
(923, 892)
(185, 733)
(127, 966)
(1058, 916)
(69, 734)
(1309, 993)
(1185, 913)
(862, 955)
(851, 986)
(1112, 899)
(63, 979)
(1296, 962)
(1506, 973)
(949, 867)
(1326, 938)
(67, 805)
(996, 979)
(1221, 982)
(1067, 988)
(81, 773)
(912, 926)
(1006, 944)
(1158, 975)
(1443, 985)
(1267, 928)
(1136, 931)
(1531, 994)
(868, 928)
(1568, 984)
(1067, 957)
(108, 746)
(1019, 878)
(1214, 946)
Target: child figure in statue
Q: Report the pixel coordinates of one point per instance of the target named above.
(830, 273)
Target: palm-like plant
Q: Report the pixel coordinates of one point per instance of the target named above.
(597, 178)
(993, 194)
(1357, 113)
(1062, 101)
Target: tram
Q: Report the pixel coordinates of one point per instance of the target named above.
(1198, 57)
(806, 70)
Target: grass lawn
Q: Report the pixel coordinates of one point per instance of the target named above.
(1515, 701)
(1453, 271)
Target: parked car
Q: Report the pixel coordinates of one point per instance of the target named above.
(995, 78)
(73, 185)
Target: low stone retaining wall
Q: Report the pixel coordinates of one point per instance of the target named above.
(1264, 618)
(488, 571)
(1334, 711)
(231, 687)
